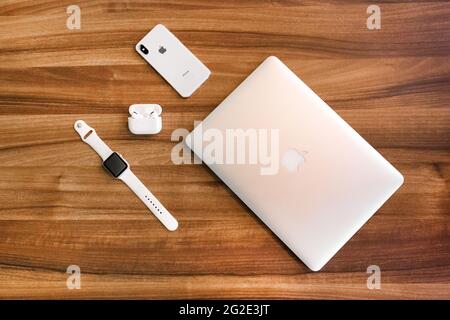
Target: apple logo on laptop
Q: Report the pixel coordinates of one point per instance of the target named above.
(162, 50)
(293, 159)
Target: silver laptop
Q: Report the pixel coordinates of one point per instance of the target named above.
(311, 178)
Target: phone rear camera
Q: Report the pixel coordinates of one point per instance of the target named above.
(143, 49)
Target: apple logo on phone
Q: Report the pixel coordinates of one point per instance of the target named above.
(162, 50)
(293, 159)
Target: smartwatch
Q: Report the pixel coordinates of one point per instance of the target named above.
(116, 165)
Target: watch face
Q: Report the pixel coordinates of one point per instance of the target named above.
(115, 164)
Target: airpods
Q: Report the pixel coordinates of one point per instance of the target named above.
(145, 118)
(136, 115)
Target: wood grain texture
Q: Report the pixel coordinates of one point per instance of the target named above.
(58, 207)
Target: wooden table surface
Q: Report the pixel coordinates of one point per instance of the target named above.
(58, 207)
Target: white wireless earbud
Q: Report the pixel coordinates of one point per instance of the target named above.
(145, 118)
(136, 115)
(149, 114)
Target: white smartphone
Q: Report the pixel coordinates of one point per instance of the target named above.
(172, 60)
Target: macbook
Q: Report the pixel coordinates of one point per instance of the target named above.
(311, 178)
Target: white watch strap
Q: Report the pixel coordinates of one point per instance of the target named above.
(149, 199)
(89, 136)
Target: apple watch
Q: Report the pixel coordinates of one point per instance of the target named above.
(116, 165)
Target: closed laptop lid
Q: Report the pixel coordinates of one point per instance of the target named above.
(311, 178)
